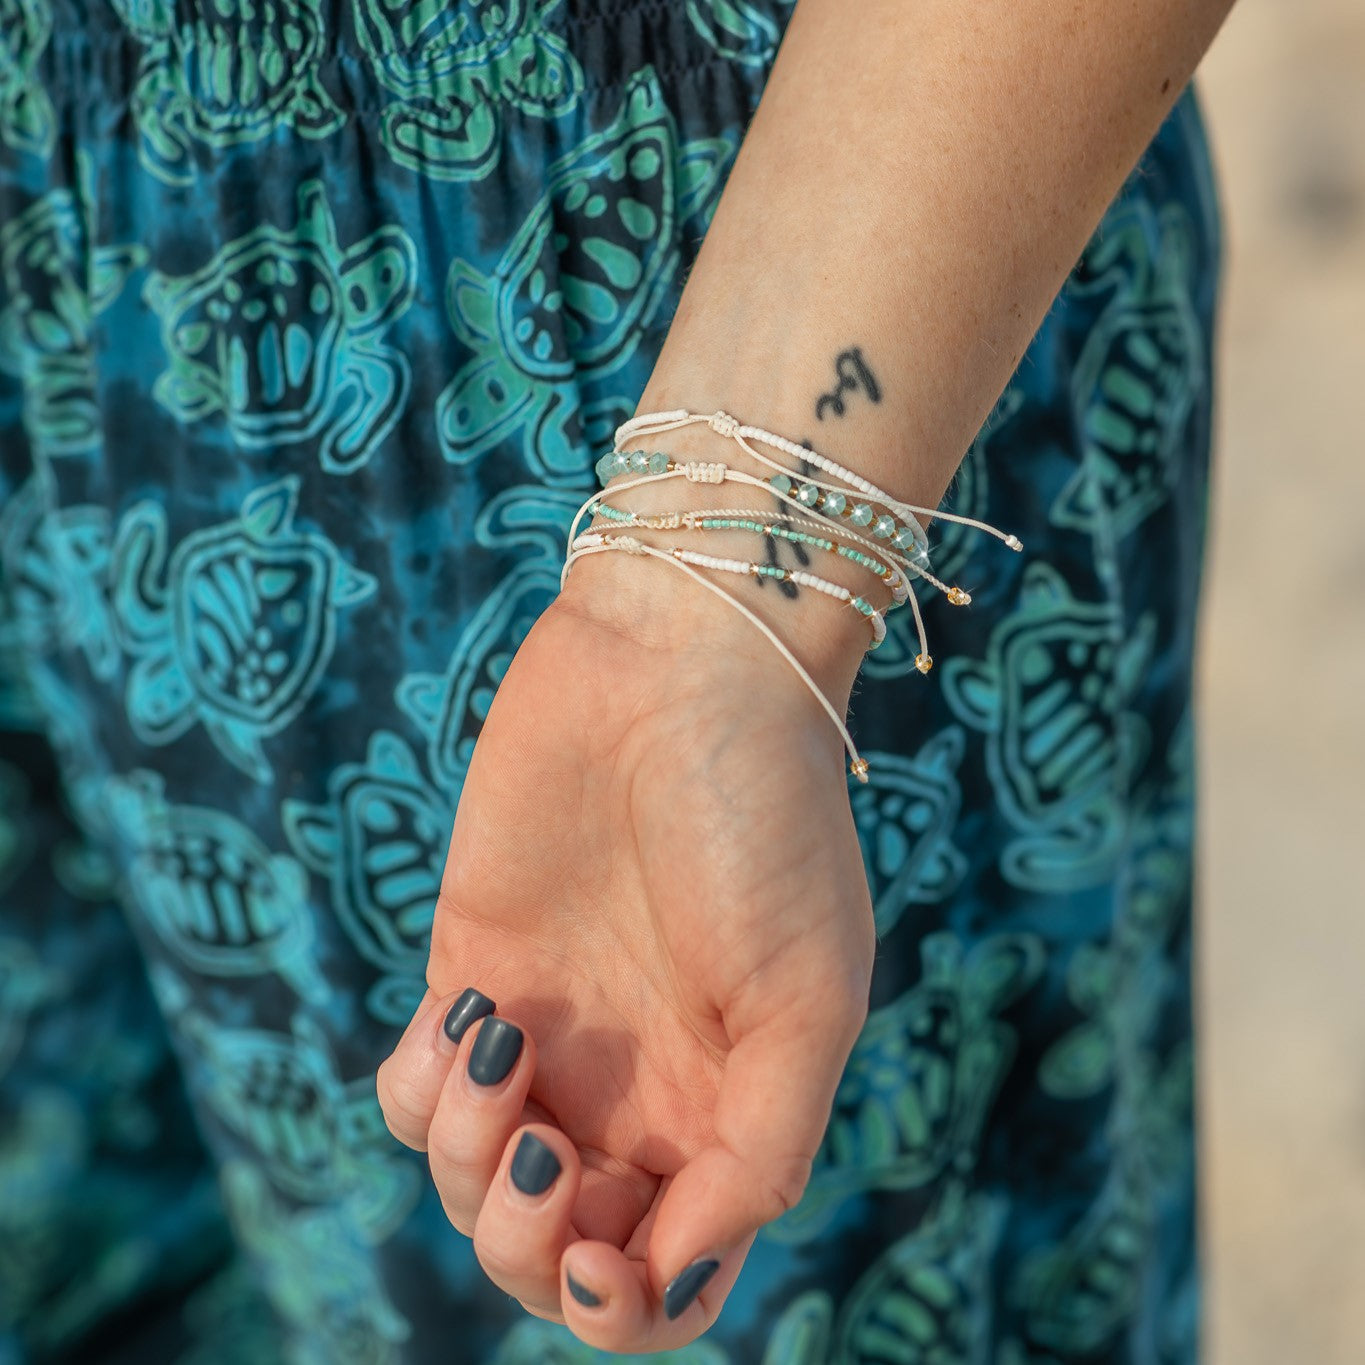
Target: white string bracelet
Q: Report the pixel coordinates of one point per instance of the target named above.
(712, 471)
(751, 569)
(725, 425)
(833, 505)
(632, 545)
(696, 471)
(777, 524)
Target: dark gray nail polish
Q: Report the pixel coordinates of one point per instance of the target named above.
(534, 1165)
(495, 1051)
(686, 1285)
(584, 1296)
(468, 1009)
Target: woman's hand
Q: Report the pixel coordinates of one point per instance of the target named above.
(655, 874)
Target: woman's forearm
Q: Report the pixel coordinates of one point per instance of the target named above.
(918, 180)
(920, 177)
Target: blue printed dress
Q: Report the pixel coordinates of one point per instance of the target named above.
(314, 317)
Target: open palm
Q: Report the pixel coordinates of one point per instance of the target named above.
(655, 874)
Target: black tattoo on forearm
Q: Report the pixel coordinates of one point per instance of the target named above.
(853, 374)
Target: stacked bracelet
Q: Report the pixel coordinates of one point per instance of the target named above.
(743, 519)
(904, 549)
(725, 425)
(905, 536)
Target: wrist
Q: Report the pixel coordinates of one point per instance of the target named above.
(664, 607)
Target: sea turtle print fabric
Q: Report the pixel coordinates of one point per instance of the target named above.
(314, 317)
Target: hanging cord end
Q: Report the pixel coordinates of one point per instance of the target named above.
(1014, 542)
(959, 597)
(859, 768)
(923, 662)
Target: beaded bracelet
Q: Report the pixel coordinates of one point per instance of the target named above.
(716, 472)
(742, 519)
(907, 536)
(629, 544)
(812, 494)
(754, 570)
(725, 425)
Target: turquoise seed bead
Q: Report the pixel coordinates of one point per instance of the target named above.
(658, 462)
(781, 482)
(864, 607)
(883, 527)
(809, 494)
(861, 515)
(834, 503)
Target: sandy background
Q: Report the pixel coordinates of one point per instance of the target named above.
(1282, 1079)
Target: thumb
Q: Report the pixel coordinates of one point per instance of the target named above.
(771, 1114)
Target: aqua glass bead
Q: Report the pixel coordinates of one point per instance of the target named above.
(639, 461)
(809, 494)
(905, 538)
(781, 482)
(834, 503)
(620, 462)
(658, 462)
(861, 515)
(918, 557)
(884, 527)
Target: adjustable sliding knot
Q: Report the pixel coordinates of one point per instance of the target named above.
(722, 424)
(704, 472)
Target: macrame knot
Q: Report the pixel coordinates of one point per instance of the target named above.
(630, 544)
(699, 472)
(722, 424)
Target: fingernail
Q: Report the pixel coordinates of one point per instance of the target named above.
(584, 1296)
(495, 1051)
(469, 1008)
(534, 1165)
(686, 1285)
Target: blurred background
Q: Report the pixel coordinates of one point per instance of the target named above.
(1282, 1079)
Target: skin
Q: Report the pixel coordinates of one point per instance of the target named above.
(684, 933)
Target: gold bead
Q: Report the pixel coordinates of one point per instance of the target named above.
(859, 769)
(923, 662)
(959, 598)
